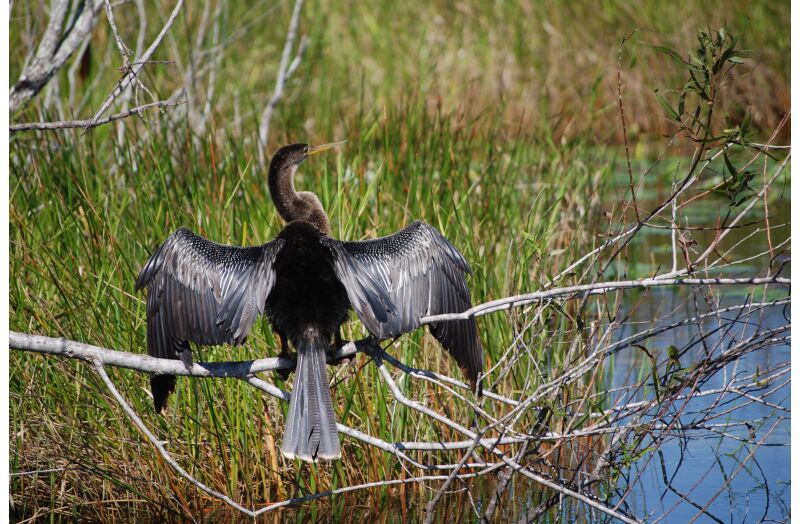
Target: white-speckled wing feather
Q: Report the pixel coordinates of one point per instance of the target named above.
(203, 292)
(424, 275)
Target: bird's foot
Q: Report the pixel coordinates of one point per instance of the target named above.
(369, 345)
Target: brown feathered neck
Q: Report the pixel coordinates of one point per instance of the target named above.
(290, 204)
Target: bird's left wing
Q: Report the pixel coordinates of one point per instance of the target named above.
(424, 275)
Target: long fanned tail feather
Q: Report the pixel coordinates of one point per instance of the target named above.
(311, 432)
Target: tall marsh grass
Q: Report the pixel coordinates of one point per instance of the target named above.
(532, 63)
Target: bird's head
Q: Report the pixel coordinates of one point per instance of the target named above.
(295, 154)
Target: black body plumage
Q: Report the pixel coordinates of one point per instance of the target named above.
(306, 290)
(305, 282)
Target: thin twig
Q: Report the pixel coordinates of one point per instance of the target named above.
(133, 71)
(285, 70)
(123, 49)
(624, 125)
(160, 446)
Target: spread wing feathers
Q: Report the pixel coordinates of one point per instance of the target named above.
(424, 275)
(369, 298)
(203, 292)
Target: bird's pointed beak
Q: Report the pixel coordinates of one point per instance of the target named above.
(313, 150)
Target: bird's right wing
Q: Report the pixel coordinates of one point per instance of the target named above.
(203, 292)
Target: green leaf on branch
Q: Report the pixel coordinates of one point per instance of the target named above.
(663, 102)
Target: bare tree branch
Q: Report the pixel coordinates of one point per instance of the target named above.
(160, 446)
(148, 364)
(596, 289)
(133, 70)
(89, 124)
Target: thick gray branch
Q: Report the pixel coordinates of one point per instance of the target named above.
(57, 45)
(148, 364)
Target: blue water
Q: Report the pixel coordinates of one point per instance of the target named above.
(700, 464)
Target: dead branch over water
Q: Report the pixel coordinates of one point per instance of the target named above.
(626, 417)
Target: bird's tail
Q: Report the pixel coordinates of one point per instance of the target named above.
(311, 432)
(163, 385)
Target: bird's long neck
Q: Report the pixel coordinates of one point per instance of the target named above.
(281, 189)
(292, 205)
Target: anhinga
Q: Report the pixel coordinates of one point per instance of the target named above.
(305, 282)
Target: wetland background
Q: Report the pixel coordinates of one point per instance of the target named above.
(496, 122)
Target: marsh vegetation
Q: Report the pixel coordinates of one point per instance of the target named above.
(498, 124)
